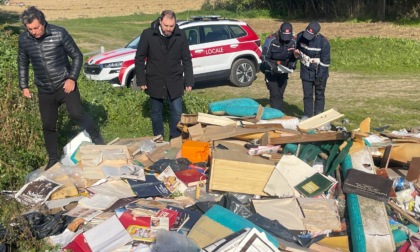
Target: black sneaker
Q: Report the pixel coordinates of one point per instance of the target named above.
(51, 163)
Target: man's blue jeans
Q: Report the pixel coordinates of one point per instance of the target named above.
(156, 107)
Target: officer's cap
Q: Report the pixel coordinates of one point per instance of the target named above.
(286, 31)
(312, 30)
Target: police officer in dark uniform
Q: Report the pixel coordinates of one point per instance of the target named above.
(278, 50)
(313, 51)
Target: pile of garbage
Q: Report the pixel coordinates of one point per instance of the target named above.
(233, 183)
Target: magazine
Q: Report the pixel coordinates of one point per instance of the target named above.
(171, 181)
(37, 191)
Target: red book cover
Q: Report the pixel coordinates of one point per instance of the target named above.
(171, 214)
(78, 244)
(127, 219)
(191, 177)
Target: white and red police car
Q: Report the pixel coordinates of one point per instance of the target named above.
(220, 49)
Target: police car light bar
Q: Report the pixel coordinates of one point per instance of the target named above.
(210, 17)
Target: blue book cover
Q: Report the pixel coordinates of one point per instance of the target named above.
(191, 218)
(149, 188)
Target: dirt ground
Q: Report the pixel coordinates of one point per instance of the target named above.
(71, 9)
(381, 86)
(343, 30)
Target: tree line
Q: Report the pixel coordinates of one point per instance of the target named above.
(377, 10)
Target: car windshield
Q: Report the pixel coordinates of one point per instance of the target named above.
(133, 44)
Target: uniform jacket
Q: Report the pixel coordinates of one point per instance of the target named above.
(275, 50)
(168, 68)
(317, 48)
(49, 56)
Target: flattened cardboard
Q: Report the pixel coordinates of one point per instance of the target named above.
(294, 170)
(320, 214)
(196, 132)
(286, 211)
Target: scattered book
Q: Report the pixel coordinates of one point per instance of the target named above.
(141, 233)
(367, 185)
(191, 177)
(187, 220)
(227, 243)
(246, 239)
(314, 185)
(127, 218)
(171, 214)
(151, 187)
(37, 192)
(171, 181)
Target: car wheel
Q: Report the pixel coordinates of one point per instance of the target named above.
(243, 73)
(133, 84)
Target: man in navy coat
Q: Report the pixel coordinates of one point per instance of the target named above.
(164, 70)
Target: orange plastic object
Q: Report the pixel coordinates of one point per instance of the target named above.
(195, 151)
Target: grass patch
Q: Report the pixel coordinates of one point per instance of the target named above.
(375, 55)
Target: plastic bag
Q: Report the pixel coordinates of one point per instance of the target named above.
(172, 241)
(43, 226)
(147, 146)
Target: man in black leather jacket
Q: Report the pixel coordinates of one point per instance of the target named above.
(48, 48)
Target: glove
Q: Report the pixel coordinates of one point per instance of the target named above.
(292, 65)
(318, 82)
(267, 67)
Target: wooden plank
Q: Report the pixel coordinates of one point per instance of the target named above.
(214, 119)
(404, 213)
(257, 117)
(264, 126)
(239, 177)
(217, 133)
(305, 138)
(114, 141)
(386, 157)
(319, 120)
(233, 170)
(413, 170)
(189, 118)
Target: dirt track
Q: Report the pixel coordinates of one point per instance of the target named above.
(344, 30)
(71, 9)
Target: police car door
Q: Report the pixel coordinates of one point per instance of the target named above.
(197, 53)
(217, 48)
